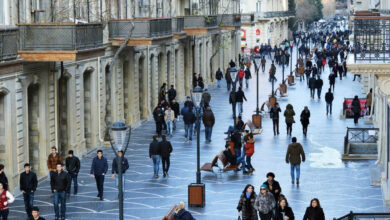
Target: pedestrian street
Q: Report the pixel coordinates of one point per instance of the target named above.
(340, 186)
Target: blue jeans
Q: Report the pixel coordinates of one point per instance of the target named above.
(188, 131)
(248, 162)
(72, 176)
(297, 168)
(208, 132)
(28, 198)
(169, 127)
(117, 181)
(240, 107)
(59, 197)
(247, 83)
(328, 108)
(240, 158)
(156, 163)
(219, 83)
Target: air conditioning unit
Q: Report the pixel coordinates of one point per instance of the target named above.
(195, 6)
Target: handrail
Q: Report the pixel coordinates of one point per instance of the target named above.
(352, 216)
(359, 135)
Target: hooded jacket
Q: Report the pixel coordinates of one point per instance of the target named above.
(208, 118)
(294, 153)
(289, 114)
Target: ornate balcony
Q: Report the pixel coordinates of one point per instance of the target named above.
(229, 21)
(147, 31)
(200, 25)
(60, 41)
(178, 28)
(8, 43)
(247, 19)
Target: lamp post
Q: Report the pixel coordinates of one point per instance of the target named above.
(291, 54)
(283, 59)
(121, 137)
(257, 63)
(233, 74)
(297, 47)
(195, 189)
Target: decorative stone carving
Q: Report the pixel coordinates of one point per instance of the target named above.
(384, 84)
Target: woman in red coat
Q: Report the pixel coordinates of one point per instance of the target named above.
(249, 151)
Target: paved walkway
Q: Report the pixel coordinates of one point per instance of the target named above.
(340, 186)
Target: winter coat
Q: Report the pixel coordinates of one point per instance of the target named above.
(189, 118)
(208, 118)
(52, 161)
(294, 153)
(274, 113)
(171, 94)
(265, 204)
(318, 83)
(60, 181)
(250, 147)
(289, 114)
(329, 97)
(206, 98)
(176, 109)
(219, 75)
(228, 78)
(275, 186)
(183, 215)
(200, 82)
(167, 113)
(154, 148)
(287, 212)
(332, 79)
(125, 165)
(312, 83)
(248, 74)
(240, 96)
(230, 157)
(99, 166)
(305, 115)
(158, 115)
(314, 214)
(165, 148)
(28, 182)
(356, 106)
(247, 207)
(241, 74)
(72, 164)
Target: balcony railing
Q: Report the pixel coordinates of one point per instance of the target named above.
(143, 28)
(209, 21)
(177, 25)
(372, 38)
(60, 37)
(229, 20)
(8, 43)
(365, 216)
(247, 19)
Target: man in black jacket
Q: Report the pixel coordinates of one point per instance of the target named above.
(28, 184)
(329, 99)
(318, 84)
(125, 166)
(59, 184)
(99, 169)
(240, 97)
(176, 108)
(72, 165)
(189, 120)
(165, 151)
(154, 154)
(273, 185)
(158, 116)
(219, 76)
(171, 94)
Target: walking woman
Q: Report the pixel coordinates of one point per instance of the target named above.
(356, 109)
(284, 211)
(289, 115)
(265, 203)
(305, 115)
(249, 151)
(5, 198)
(314, 211)
(246, 205)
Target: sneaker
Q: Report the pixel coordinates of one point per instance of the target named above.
(165, 175)
(297, 181)
(101, 198)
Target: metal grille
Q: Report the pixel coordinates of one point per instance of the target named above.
(160, 27)
(179, 24)
(8, 44)
(372, 39)
(61, 37)
(362, 135)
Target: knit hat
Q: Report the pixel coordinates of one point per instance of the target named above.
(264, 186)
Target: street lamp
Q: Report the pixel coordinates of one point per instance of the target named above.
(291, 54)
(257, 63)
(283, 59)
(233, 74)
(197, 190)
(120, 133)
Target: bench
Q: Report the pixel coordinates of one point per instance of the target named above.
(171, 214)
(225, 164)
(209, 166)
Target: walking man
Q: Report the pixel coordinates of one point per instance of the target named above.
(59, 183)
(263, 62)
(72, 164)
(176, 109)
(332, 80)
(329, 99)
(206, 98)
(240, 97)
(294, 156)
(158, 116)
(318, 84)
(219, 76)
(52, 161)
(115, 169)
(154, 154)
(274, 114)
(312, 82)
(248, 76)
(99, 169)
(171, 94)
(208, 121)
(166, 150)
(189, 120)
(169, 117)
(28, 183)
(228, 79)
(368, 103)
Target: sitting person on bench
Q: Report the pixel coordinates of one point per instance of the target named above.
(240, 124)
(233, 159)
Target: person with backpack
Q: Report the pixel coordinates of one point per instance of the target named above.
(329, 99)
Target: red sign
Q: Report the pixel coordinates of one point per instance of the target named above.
(243, 33)
(257, 32)
(348, 107)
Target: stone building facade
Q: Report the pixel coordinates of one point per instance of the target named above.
(53, 96)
